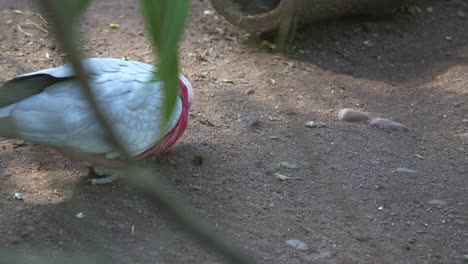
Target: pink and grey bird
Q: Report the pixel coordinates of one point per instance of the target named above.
(48, 107)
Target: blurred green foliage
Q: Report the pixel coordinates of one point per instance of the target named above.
(165, 21)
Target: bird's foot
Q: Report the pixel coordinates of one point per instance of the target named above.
(106, 175)
(99, 181)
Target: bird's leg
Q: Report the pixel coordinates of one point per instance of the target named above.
(105, 180)
(108, 175)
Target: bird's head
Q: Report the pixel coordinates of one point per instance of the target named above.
(190, 94)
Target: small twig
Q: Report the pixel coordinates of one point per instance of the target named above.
(36, 25)
(295, 178)
(42, 18)
(305, 228)
(22, 31)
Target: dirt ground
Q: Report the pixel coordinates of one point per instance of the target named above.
(345, 201)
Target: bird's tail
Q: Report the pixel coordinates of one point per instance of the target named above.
(5, 111)
(5, 123)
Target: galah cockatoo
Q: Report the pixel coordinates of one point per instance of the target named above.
(48, 107)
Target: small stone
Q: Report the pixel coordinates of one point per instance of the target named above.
(80, 215)
(250, 92)
(250, 122)
(208, 12)
(351, 115)
(367, 43)
(18, 196)
(310, 124)
(297, 244)
(405, 170)
(313, 124)
(387, 124)
(461, 14)
(437, 202)
(195, 187)
(288, 165)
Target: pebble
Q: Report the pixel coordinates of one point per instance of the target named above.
(405, 170)
(195, 187)
(322, 254)
(250, 92)
(313, 124)
(351, 115)
(297, 244)
(249, 121)
(80, 215)
(387, 124)
(18, 196)
(208, 12)
(288, 165)
(437, 202)
(461, 14)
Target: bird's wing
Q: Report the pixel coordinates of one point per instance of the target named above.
(126, 94)
(29, 84)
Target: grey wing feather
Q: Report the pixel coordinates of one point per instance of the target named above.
(18, 89)
(29, 84)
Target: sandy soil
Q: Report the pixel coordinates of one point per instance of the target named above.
(345, 201)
